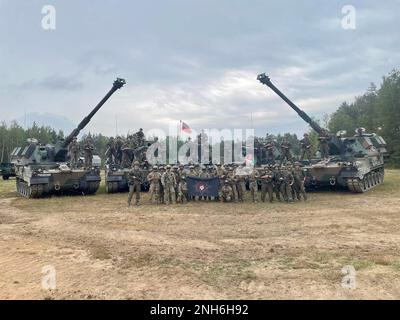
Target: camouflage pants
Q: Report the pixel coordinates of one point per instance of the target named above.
(241, 189)
(286, 156)
(169, 194)
(182, 194)
(254, 190)
(154, 192)
(234, 192)
(74, 159)
(300, 190)
(305, 152)
(324, 148)
(267, 187)
(88, 160)
(134, 188)
(286, 191)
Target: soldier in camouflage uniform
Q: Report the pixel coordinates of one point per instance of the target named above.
(299, 178)
(118, 150)
(286, 182)
(253, 184)
(286, 154)
(267, 184)
(161, 193)
(231, 177)
(111, 151)
(135, 180)
(270, 148)
(305, 144)
(240, 179)
(168, 182)
(88, 149)
(183, 190)
(154, 178)
(73, 150)
(226, 192)
(323, 144)
(126, 154)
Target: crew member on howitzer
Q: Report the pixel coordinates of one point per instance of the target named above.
(270, 147)
(88, 149)
(111, 151)
(286, 154)
(305, 145)
(135, 181)
(73, 150)
(323, 144)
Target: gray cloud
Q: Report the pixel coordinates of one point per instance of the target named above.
(194, 60)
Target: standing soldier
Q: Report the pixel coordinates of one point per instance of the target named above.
(299, 178)
(140, 138)
(135, 182)
(88, 149)
(285, 151)
(154, 179)
(286, 182)
(118, 150)
(267, 184)
(73, 150)
(305, 144)
(240, 178)
(168, 182)
(110, 151)
(323, 147)
(203, 174)
(231, 177)
(161, 193)
(253, 184)
(182, 190)
(270, 147)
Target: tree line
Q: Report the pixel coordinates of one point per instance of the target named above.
(377, 110)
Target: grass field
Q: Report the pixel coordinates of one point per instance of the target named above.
(204, 250)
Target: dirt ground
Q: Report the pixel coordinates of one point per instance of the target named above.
(100, 249)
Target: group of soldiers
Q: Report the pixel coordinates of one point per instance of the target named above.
(121, 151)
(168, 184)
(305, 146)
(74, 150)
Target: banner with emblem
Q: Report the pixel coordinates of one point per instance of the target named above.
(202, 187)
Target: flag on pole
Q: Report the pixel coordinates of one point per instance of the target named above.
(185, 128)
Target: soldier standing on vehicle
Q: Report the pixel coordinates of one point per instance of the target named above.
(253, 184)
(135, 180)
(154, 179)
(286, 155)
(323, 147)
(270, 148)
(73, 150)
(168, 182)
(299, 178)
(111, 151)
(118, 150)
(88, 149)
(305, 144)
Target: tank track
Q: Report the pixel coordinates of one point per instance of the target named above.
(92, 187)
(370, 180)
(112, 187)
(30, 192)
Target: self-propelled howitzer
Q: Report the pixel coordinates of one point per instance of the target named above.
(354, 162)
(46, 169)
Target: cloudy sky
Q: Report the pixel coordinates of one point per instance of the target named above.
(192, 60)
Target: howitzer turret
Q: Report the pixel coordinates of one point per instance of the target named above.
(354, 162)
(46, 169)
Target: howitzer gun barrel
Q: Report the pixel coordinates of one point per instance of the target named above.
(264, 79)
(118, 84)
